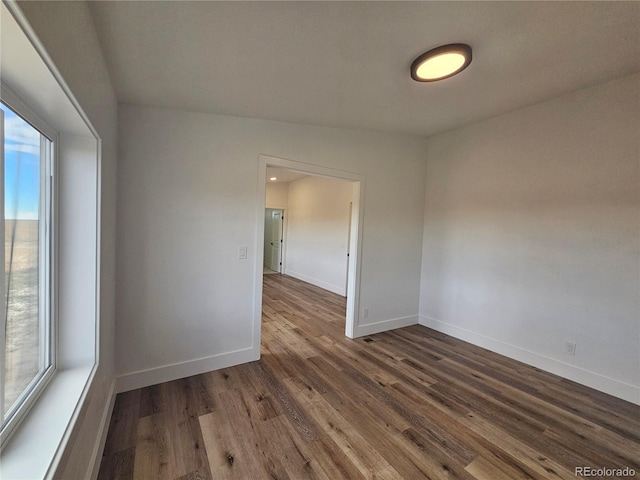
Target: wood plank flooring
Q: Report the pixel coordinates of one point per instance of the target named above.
(407, 404)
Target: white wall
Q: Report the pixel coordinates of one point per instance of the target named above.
(277, 195)
(187, 200)
(318, 231)
(66, 31)
(531, 235)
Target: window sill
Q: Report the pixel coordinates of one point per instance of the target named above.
(38, 443)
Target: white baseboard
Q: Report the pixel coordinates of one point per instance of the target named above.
(94, 466)
(167, 373)
(318, 283)
(384, 325)
(611, 386)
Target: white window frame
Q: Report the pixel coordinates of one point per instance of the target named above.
(47, 258)
(42, 444)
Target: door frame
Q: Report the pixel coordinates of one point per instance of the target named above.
(355, 241)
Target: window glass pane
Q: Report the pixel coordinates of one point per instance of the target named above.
(26, 345)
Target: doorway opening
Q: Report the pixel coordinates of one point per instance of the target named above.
(269, 224)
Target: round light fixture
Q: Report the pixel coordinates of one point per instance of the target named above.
(441, 62)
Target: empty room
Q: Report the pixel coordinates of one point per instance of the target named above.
(320, 239)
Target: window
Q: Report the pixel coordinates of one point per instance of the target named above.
(39, 445)
(27, 227)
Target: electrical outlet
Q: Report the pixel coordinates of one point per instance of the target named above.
(569, 348)
(365, 312)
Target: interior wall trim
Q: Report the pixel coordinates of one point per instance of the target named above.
(174, 371)
(337, 289)
(589, 378)
(96, 454)
(385, 325)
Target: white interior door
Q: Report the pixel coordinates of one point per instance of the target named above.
(348, 246)
(267, 238)
(276, 240)
(273, 238)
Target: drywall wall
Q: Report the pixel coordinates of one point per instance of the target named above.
(532, 235)
(277, 195)
(188, 199)
(318, 231)
(67, 33)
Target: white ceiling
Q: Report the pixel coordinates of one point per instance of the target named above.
(346, 64)
(283, 175)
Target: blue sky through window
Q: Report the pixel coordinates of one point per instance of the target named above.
(21, 167)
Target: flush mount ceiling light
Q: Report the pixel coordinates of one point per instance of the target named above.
(441, 62)
(273, 179)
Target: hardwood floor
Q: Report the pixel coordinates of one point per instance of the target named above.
(407, 404)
